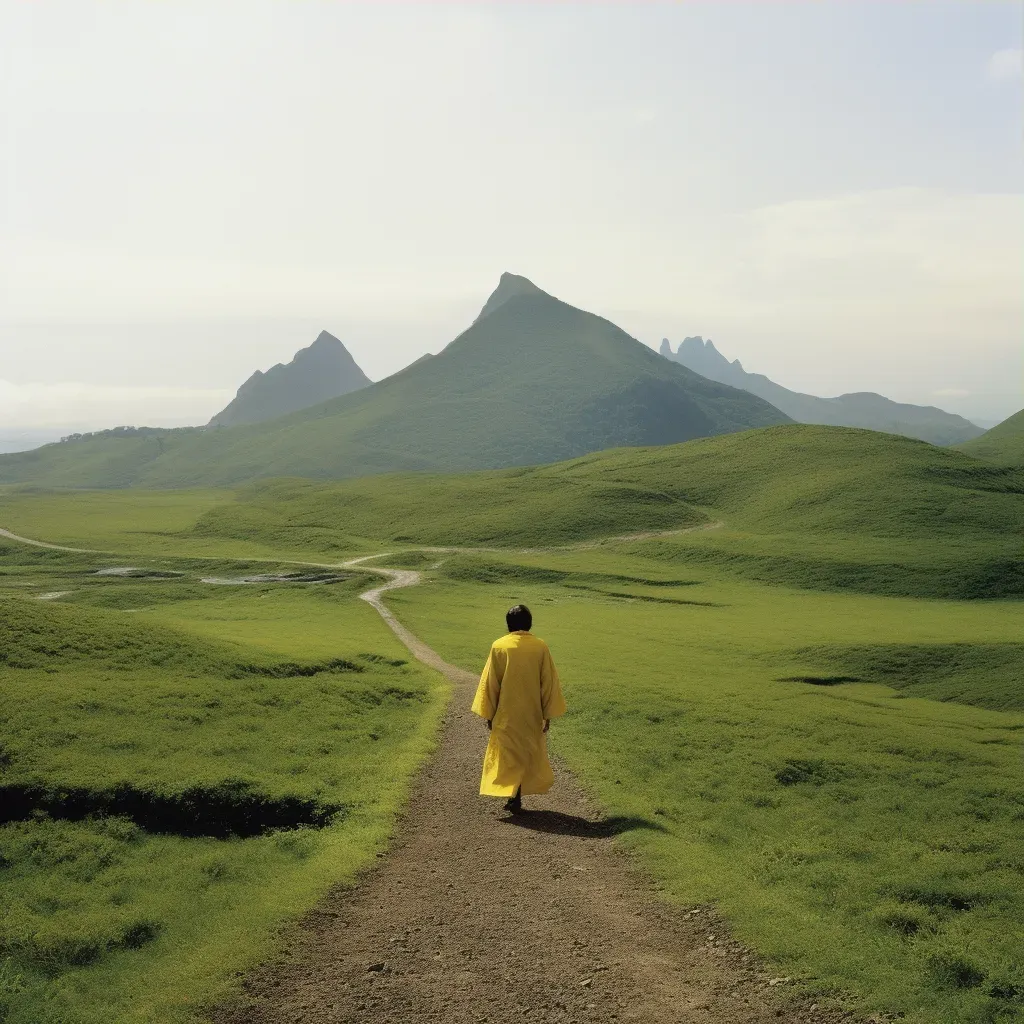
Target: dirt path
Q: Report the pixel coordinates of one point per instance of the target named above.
(476, 916)
(43, 544)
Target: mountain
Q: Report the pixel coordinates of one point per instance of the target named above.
(1003, 444)
(532, 380)
(317, 373)
(861, 409)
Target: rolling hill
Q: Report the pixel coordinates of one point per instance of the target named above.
(862, 409)
(829, 508)
(322, 371)
(787, 479)
(532, 380)
(1003, 444)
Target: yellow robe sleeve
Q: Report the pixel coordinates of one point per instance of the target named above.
(485, 704)
(551, 698)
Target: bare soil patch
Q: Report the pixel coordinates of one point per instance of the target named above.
(222, 811)
(131, 572)
(277, 577)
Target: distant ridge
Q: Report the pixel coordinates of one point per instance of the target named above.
(1003, 444)
(532, 380)
(861, 409)
(322, 371)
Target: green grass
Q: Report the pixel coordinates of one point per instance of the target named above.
(1002, 445)
(533, 381)
(141, 523)
(989, 675)
(865, 840)
(148, 701)
(820, 700)
(824, 508)
(440, 510)
(101, 519)
(973, 569)
(819, 507)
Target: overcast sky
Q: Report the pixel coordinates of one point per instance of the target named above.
(832, 192)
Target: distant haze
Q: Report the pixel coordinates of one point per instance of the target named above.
(194, 191)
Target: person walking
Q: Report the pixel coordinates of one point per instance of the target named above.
(518, 695)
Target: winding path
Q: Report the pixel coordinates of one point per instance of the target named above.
(476, 916)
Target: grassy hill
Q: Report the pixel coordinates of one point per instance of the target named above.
(861, 409)
(867, 840)
(532, 380)
(831, 763)
(178, 783)
(782, 479)
(826, 508)
(1003, 444)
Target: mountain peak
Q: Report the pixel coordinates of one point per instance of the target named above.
(870, 411)
(319, 372)
(325, 340)
(509, 286)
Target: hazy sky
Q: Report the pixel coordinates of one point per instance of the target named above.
(832, 192)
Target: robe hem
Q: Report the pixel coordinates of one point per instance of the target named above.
(510, 790)
(512, 793)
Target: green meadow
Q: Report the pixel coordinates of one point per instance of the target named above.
(142, 523)
(184, 767)
(802, 757)
(797, 652)
(1003, 444)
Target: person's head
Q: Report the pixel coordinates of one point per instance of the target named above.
(518, 618)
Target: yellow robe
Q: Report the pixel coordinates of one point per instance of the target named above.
(518, 690)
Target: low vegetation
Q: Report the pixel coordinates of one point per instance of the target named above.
(866, 840)
(797, 649)
(817, 507)
(1003, 445)
(183, 768)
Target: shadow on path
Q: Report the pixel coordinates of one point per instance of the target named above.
(557, 823)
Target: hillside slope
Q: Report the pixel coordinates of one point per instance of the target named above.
(862, 409)
(1003, 444)
(827, 508)
(820, 508)
(787, 479)
(532, 380)
(317, 373)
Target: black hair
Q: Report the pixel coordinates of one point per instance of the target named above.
(518, 618)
